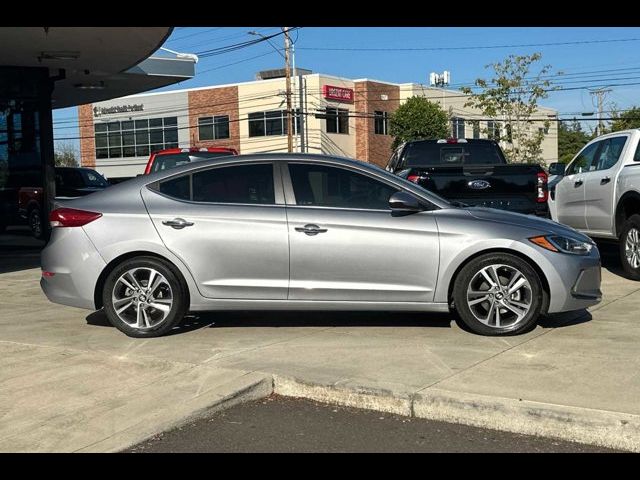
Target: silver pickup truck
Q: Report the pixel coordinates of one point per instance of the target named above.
(599, 193)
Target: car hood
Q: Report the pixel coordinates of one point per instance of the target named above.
(533, 223)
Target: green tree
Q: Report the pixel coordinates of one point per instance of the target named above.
(65, 155)
(571, 138)
(628, 119)
(416, 119)
(513, 92)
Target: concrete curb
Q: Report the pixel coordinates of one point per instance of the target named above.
(583, 425)
(252, 386)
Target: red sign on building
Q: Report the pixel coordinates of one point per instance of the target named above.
(331, 92)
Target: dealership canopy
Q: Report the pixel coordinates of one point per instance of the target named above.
(91, 64)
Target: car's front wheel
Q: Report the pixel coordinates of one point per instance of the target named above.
(498, 294)
(143, 297)
(35, 224)
(630, 247)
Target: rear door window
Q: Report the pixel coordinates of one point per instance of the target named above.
(241, 184)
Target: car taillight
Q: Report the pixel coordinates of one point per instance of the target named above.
(415, 178)
(71, 217)
(542, 188)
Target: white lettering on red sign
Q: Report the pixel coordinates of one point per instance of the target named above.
(337, 93)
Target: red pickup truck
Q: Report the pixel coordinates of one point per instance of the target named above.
(174, 157)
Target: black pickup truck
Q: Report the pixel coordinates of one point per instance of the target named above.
(473, 172)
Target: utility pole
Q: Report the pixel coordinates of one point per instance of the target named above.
(599, 94)
(287, 48)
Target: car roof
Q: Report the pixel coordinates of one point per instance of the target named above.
(466, 140)
(172, 151)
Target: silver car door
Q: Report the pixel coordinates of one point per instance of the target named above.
(345, 244)
(228, 224)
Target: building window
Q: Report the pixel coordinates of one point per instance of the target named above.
(337, 120)
(457, 127)
(476, 129)
(381, 123)
(213, 128)
(509, 133)
(266, 124)
(493, 130)
(543, 130)
(135, 138)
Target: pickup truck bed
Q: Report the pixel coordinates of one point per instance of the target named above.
(473, 172)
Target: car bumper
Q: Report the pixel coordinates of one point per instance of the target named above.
(73, 266)
(578, 282)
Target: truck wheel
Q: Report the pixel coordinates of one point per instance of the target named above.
(35, 223)
(498, 294)
(630, 247)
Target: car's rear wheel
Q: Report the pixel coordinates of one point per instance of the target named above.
(498, 294)
(630, 247)
(143, 297)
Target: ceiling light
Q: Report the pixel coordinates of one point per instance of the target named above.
(58, 56)
(90, 86)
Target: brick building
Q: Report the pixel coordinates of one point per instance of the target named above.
(343, 117)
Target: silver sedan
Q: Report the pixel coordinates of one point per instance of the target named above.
(307, 232)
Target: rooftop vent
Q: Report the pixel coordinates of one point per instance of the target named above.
(280, 73)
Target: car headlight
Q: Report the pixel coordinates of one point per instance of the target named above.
(559, 243)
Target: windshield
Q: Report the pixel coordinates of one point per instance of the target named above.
(173, 160)
(423, 154)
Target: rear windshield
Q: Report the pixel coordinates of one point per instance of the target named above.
(423, 154)
(173, 160)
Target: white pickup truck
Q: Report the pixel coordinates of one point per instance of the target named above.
(599, 193)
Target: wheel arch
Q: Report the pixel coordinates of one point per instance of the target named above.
(543, 278)
(629, 204)
(97, 294)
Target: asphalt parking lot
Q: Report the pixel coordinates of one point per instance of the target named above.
(287, 425)
(70, 382)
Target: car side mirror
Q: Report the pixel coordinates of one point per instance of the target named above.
(557, 169)
(403, 203)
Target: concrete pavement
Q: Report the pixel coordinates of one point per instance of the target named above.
(70, 382)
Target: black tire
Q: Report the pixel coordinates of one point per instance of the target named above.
(35, 224)
(179, 294)
(633, 222)
(467, 275)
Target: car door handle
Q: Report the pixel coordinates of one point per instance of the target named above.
(578, 183)
(177, 223)
(605, 180)
(311, 229)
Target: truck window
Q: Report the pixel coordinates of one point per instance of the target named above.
(583, 161)
(428, 154)
(609, 154)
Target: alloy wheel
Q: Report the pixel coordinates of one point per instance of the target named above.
(632, 248)
(142, 298)
(499, 296)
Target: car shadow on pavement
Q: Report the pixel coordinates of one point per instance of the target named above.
(565, 319)
(235, 319)
(610, 257)
(285, 319)
(190, 322)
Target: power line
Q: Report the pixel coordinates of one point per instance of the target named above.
(470, 47)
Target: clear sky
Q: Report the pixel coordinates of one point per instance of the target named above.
(588, 57)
